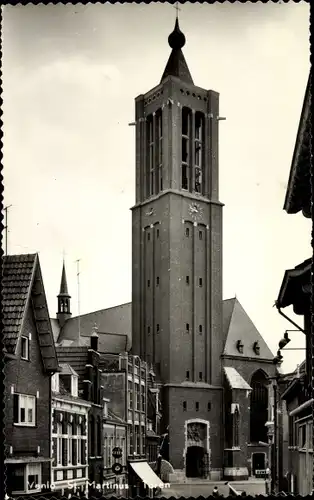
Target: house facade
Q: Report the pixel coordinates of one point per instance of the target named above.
(84, 361)
(295, 291)
(69, 431)
(30, 360)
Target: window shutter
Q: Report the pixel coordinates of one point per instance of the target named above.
(15, 408)
(54, 451)
(74, 451)
(64, 451)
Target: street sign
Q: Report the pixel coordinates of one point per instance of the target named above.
(261, 472)
(117, 452)
(117, 468)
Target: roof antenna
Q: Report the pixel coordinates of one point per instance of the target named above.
(78, 299)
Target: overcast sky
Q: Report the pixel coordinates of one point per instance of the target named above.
(70, 76)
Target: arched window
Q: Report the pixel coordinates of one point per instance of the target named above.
(259, 407)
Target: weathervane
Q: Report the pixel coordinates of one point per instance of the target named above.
(177, 9)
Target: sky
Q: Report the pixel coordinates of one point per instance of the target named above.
(70, 77)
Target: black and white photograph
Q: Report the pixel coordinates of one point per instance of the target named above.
(157, 259)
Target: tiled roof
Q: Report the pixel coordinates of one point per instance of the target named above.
(17, 274)
(23, 288)
(234, 379)
(241, 327)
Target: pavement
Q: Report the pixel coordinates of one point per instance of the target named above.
(196, 488)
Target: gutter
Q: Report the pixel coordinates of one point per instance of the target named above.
(301, 407)
(288, 319)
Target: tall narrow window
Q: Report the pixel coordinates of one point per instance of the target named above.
(159, 150)
(157, 281)
(197, 406)
(184, 405)
(200, 376)
(187, 375)
(199, 148)
(200, 282)
(200, 328)
(186, 132)
(187, 232)
(187, 327)
(187, 280)
(150, 157)
(236, 428)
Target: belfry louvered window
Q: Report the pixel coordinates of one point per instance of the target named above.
(198, 152)
(186, 147)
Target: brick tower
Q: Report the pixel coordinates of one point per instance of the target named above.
(177, 259)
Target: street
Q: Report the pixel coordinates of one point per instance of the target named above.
(205, 488)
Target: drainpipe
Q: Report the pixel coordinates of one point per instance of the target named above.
(288, 319)
(275, 453)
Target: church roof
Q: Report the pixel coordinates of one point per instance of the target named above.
(23, 288)
(176, 65)
(235, 380)
(114, 328)
(240, 327)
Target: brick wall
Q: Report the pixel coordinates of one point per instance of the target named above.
(28, 377)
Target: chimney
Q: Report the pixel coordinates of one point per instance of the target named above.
(94, 339)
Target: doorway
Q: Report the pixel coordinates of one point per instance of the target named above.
(258, 462)
(195, 463)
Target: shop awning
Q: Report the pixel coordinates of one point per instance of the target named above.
(147, 475)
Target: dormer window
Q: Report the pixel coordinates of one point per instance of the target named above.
(240, 346)
(256, 348)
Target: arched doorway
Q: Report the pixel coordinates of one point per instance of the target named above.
(197, 452)
(195, 461)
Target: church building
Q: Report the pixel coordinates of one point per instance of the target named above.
(212, 365)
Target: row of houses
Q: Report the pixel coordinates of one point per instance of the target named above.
(74, 414)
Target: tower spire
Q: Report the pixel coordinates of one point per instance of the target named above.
(64, 283)
(176, 65)
(64, 309)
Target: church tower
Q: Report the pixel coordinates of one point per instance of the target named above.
(177, 252)
(64, 300)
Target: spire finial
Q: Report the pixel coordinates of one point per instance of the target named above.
(177, 10)
(176, 39)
